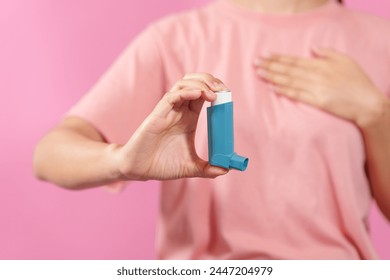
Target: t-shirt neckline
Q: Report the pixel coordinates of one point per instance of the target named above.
(227, 7)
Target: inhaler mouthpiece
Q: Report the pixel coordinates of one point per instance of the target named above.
(220, 134)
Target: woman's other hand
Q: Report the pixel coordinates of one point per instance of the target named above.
(330, 80)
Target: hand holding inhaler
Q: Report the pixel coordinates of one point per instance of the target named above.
(163, 146)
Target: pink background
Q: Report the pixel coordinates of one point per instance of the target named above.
(51, 52)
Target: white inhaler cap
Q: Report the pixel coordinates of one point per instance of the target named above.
(222, 97)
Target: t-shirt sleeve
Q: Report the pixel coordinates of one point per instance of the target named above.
(129, 90)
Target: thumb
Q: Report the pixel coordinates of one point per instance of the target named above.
(210, 171)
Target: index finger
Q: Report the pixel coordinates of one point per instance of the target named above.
(212, 82)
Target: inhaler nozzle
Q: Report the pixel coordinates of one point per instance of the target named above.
(238, 162)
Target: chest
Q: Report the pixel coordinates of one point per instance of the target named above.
(263, 116)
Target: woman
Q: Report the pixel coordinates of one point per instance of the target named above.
(311, 112)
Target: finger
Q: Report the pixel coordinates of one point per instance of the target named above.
(196, 105)
(177, 98)
(297, 94)
(190, 84)
(212, 82)
(287, 61)
(277, 67)
(284, 80)
(328, 53)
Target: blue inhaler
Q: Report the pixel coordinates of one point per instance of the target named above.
(220, 134)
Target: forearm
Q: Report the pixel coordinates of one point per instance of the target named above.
(376, 133)
(75, 160)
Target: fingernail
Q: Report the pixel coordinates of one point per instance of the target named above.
(223, 87)
(261, 72)
(260, 61)
(211, 93)
(218, 86)
(257, 61)
(221, 171)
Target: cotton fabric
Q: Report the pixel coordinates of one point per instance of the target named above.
(305, 194)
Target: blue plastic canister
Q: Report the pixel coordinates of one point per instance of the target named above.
(221, 134)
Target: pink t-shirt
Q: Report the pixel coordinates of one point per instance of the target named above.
(305, 194)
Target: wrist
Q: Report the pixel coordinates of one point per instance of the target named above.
(122, 167)
(114, 160)
(375, 111)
